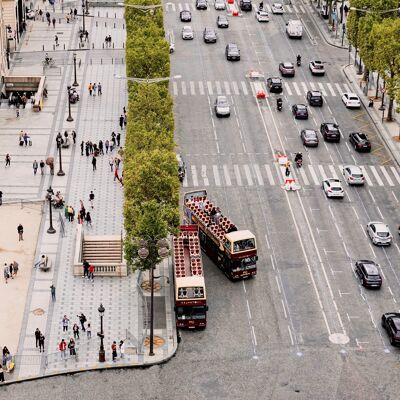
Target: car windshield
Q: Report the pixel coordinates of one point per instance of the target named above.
(354, 175)
(332, 127)
(222, 102)
(353, 98)
(276, 81)
(301, 107)
(187, 29)
(382, 234)
(310, 134)
(337, 188)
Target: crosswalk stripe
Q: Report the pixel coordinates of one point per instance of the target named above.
(333, 172)
(193, 7)
(173, 7)
(226, 175)
(340, 90)
(347, 88)
(269, 174)
(321, 88)
(302, 9)
(187, 6)
(296, 88)
(258, 174)
(244, 88)
(180, 7)
(313, 174)
(287, 87)
(237, 175)
(185, 181)
(331, 89)
(204, 175)
(218, 86)
(289, 9)
(175, 88)
(209, 88)
(216, 175)
(192, 90)
(248, 175)
(388, 178)
(395, 173)
(279, 172)
(194, 176)
(313, 87)
(366, 176)
(304, 177)
(268, 8)
(227, 88)
(235, 88)
(305, 90)
(183, 84)
(201, 88)
(376, 175)
(295, 8)
(322, 172)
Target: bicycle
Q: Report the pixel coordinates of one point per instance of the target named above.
(48, 62)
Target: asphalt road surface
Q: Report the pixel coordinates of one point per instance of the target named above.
(304, 327)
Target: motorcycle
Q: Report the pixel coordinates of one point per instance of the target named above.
(181, 174)
(298, 61)
(73, 96)
(279, 104)
(298, 160)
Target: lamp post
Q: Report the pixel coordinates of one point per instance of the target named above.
(102, 353)
(50, 192)
(382, 107)
(75, 81)
(143, 253)
(69, 119)
(86, 7)
(59, 145)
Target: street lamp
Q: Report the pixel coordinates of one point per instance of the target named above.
(69, 119)
(145, 9)
(50, 192)
(10, 36)
(59, 141)
(75, 81)
(102, 353)
(382, 107)
(143, 253)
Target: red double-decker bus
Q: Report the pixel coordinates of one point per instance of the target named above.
(190, 290)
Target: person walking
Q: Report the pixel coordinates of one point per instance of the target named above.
(15, 268)
(42, 165)
(37, 337)
(41, 343)
(54, 22)
(65, 322)
(116, 176)
(73, 133)
(63, 348)
(53, 292)
(101, 151)
(121, 348)
(94, 162)
(114, 350)
(88, 219)
(121, 121)
(11, 270)
(56, 40)
(71, 346)
(82, 147)
(35, 166)
(107, 144)
(91, 198)
(1, 374)
(89, 331)
(20, 230)
(8, 160)
(91, 272)
(111, 162)
(1, 197)
(82, 320)
(75, 329)
(90, 88)
(118, 139)
(94, 89)
(99, 87)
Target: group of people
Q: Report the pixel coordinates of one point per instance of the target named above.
(62, 346)
(108, 41)
(10, 270)
(39, 338)
(94, 149)
(24, 139)
(95, 88)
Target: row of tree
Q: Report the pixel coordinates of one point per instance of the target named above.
(374, 29)
(151, 184)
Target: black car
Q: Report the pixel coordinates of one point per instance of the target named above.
(360, 141)
(330, 132)
(300, 111)
(201, 4)
(185, 16)
(222, 21)
(314, 98)
(209, 35)
(309, 137)
(391, 323)
(286, 69)
(245, 5)
(275, 85)
(232, 52)
(368, 273)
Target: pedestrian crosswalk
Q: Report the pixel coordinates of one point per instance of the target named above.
(272, 174)
(245, 88)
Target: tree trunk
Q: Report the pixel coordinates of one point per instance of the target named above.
(366, 74)
(389, 117)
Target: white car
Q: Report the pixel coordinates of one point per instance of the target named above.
(219, 5)
(187, 33)
(351, 100)
(353, 175)
(262, 16)
(277, 8)
(317, 67)
(333, 188)
(379, 233)
(221, 106)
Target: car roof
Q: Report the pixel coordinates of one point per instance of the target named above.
(330, 125)
(300, 105)
(354, 168)
(232, 45)
(187, 27)
(221, 97)
(313, 131)
(334, 182)
(287, 64)
(315, 93)
(371, 268)
(275, 79)
(380, 226)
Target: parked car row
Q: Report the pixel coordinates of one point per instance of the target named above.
(222, 20)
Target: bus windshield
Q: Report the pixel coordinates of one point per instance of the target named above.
(196, 312)
(243, 245)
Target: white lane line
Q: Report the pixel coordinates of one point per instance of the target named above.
(331, 89)
(372, 249)
(296, 88)
(269, 174)
(248, 175)
(244, 88)
(302, 9)
(304, 177)
(204, 175)
(201, 88)
(237, 175)
(347, 88)
(287, 87)
(194, 176)
(305, 90)
(385, 173)
(284, 308)
(258, 174)
(183, 85)
(312, 85)
(227, 88)
(291, 336)
(192, 89)
(372, 197)
(248, 309)
(235, 88)
(268, 8)
(333, 172)
(322, 172)
(218, 86)
(376, 175)
(340, 90)
(253, 331)
(175, 88)
(272, 258)
(355, 212)
(397, 200)
(313, 175)
(295, 8)
(209, 88)
(322, 89)
(226, 175)
(185, 181)
(277, 284)
(363, 230)
(217, 178)
(266, 240)
(379, 212)
(366, 176)
(279, 172)
(395, 173)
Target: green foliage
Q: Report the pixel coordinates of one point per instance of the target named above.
(366, 41)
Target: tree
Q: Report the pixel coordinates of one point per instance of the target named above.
(366, 42)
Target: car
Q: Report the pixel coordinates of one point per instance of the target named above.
(300, 111)
(309, 137)
(30, 14)
(219, 5)
(209, 35)
(222, 21)
(201, 4)
(187, 33)
(232, 52)
(286, 69)
(330, 132)
(353, 175)
(333, 188)
(221, 106)
(360, 141)
(262, 16)
(351, 100)
(277, 8)
(245, 5)
(275, 85)
(391, 324)
(185, 16)
(368, 273)
(314, 98)
(317, 68)
(379, 233)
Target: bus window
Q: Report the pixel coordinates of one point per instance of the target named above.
(243, 245)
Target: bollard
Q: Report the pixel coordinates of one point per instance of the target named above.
(103, 45)
(113, 44)
(123, 45)
(43, 48)
(115, 15)
(105, 24)
(64, 46)
(114, 25)
(96, 24)
(92, 45)
(101, 61)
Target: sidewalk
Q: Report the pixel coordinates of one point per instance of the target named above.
(95, 117)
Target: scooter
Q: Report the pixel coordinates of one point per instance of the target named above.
(299, 163)
(298, 61)
(181, 175)
(279, 104)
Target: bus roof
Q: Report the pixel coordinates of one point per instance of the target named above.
(239, 235)
(190, 281)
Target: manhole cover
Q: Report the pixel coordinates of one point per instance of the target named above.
(38, 311)
(339, 338)
(147, 286)
(157, 341)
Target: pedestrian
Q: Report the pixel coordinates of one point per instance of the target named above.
(8, 160)
(41, 343)
(15, 268)
(75, 329)
(113, 139)
(2, 374)
(75, 12)
(85, 269)
(56, 40)
(54, 22)
(82, 320)
(42, 165)
(65, 322)
(116, 176)
(20, 230)
(53, 292)
(17, 110)
(73, 133)
(114, 350)
(88, 219)
(86, 35)
(125, 120)
(48, 18)
(11, 270)
(91, 272)
(111, 162)
(82, 147)
(94, 162)
(63, 347)
(121, 121)
(91, 198)
(99, 87)
(287, 168)
(346, 9)
(89, 331)
(121, 348)
(107, 144)
(71, 346)
(90, 88)
(90, 147)
(124, 110)
(35, 167)
(1, 197)
(118, 139)
(101, 151)
(37, 337)
(67, 17)
(94, 89)
(87, 150)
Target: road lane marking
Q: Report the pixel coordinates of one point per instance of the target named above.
(277, 284)
(313, 175)
(287, 87)
(340, 90)
(209, 88)
(305, 90)
(194, 176)
(204, 175)
(237, 175)
(284, 308)
(355, 212)
(397, 200)
(333, 172)
(183, 85)
(366, 176)
(192, 89)
(376, 175)
(248, 175)
(322, 89)
(175, 88)
(235, 88)
(216, 175)
(385, 173)
(227, 88)
(296, 88)
(379, 211)
(321, 170)
(331, 89)
(218, 87)
(226, 175)
(269, 174)
(258, 174)
(396, 175)
(201, 88)
(244, 88)
(347, 88)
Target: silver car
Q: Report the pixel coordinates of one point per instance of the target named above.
(222, 108)
(353, 175)
(379, 233)
(333, 188)
(219, 5)
(187, 32)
